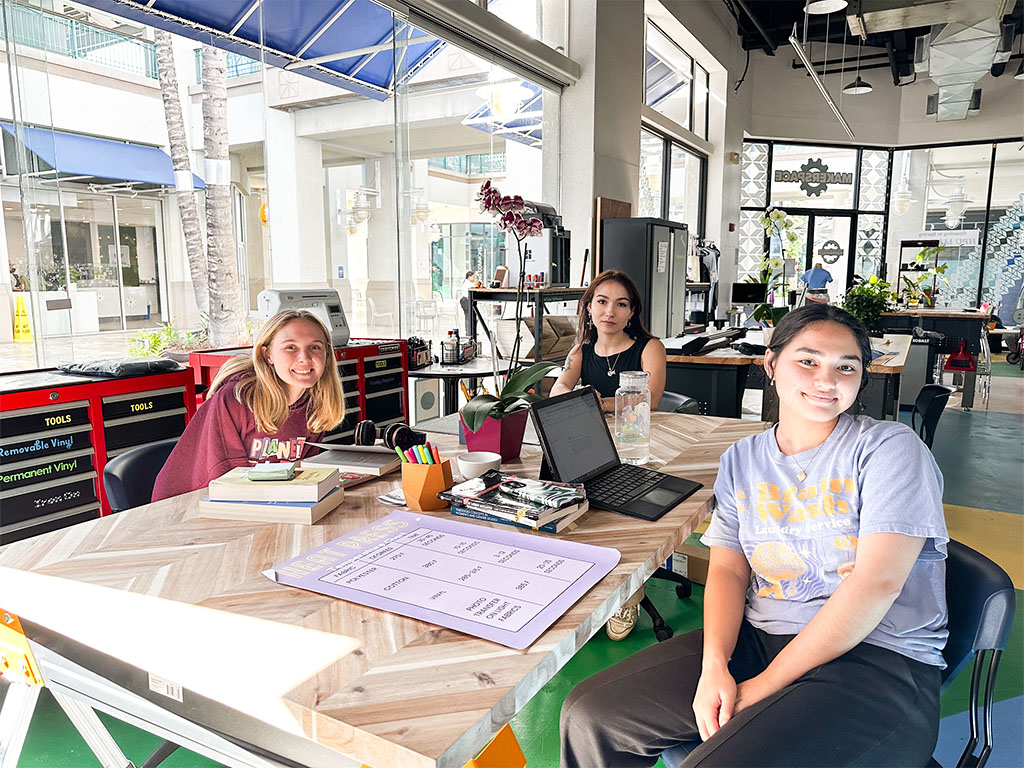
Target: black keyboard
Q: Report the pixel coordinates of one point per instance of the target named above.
(622, 484)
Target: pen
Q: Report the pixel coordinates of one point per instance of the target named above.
(465, 391)
(401, 455)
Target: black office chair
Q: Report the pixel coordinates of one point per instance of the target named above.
(930, 403)
(673, 402)
(980, 600)
(128, 478)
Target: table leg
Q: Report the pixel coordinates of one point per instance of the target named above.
(15, 716)
(91, 728)
(538, 327)
(451, 396)
(967, 398)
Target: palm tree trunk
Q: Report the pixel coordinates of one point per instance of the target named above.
(179, 159)
(227, 317)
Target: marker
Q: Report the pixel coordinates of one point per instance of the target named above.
(401, 455)
(437, 456)
(423, 454)
(412, 456)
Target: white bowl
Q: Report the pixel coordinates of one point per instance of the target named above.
(475, 463)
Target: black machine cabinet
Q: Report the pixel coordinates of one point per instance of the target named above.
(653, 253)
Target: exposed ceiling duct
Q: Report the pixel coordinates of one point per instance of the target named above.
(960, 54)
(875, 16)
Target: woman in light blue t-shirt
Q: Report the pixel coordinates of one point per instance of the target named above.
(824, 609)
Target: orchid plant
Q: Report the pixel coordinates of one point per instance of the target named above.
(772, 270)
(512, 219)
(515, 395)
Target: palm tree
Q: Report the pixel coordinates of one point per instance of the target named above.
(182, 170)
(227, 317)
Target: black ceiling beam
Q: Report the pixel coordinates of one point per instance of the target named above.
(770, 46)
(890, 48)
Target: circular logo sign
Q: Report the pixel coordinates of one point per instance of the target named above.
(830, 252)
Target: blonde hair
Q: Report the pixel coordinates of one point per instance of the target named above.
(261, 390)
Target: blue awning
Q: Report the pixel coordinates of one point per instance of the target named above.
(96, 161)
(355, 35)
(524, 125)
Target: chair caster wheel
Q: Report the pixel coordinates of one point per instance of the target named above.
(663, 633)
(683, 591)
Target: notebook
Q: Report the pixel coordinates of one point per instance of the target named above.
(578, 448)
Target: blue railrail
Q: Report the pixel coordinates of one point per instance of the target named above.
(471, 165)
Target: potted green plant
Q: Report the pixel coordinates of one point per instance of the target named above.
(771, 272)
(920, 288)
(497, 423)
(868, 299)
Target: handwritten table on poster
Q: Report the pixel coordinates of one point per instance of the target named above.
(500, 585)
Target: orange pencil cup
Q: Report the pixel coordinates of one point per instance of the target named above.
(422, 482)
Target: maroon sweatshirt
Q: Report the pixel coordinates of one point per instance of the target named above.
(223, 435)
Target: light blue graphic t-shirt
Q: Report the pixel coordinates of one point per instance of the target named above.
(800, 538)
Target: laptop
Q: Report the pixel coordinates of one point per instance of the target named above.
(578, 448)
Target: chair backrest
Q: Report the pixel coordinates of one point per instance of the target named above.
(673, 402)
(980, 599)
(930, 402)
(373, 305)
(426, 308)
(128, 478)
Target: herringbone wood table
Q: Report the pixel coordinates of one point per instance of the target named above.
(163, 591)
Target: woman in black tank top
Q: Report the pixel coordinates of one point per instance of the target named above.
(611, 338)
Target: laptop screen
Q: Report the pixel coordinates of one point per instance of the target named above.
(575, 436)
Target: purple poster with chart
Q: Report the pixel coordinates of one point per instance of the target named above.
(500, 585)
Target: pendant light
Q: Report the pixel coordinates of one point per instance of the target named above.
(820, 7)
(858, 86)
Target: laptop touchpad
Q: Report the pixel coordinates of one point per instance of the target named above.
(660, 496)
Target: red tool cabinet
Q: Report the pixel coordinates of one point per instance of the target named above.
(57, 432)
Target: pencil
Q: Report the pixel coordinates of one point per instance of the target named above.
(465, 391)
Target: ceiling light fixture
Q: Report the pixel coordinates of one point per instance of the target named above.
(802, 55)
(821, 7)
(858, 86)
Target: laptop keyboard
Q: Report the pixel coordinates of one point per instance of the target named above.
(622, 484)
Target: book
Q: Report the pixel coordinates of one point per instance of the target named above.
(374, 463)
(310, 484)
(554, 526)
(543, 492)
(484, 494)
(294, 512)
(351, 479)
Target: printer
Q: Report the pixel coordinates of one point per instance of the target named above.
(325, 303)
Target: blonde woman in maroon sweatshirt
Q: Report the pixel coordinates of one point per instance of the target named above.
(261, 407)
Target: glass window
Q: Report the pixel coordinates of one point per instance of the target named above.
(684, 188)
(543, 20)
(1003, 280)
(668, 78)
(652, 159)
(813, 177)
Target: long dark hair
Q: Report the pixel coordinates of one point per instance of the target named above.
(812, 313)
(586, 333)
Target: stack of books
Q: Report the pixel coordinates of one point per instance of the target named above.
(304, 499)
(498, 497)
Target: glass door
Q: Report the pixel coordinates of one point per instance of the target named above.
(139, 263)
(831, 238)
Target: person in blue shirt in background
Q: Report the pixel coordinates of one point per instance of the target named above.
(817, 279)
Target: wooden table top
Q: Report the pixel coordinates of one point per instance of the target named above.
(894, 345)
(184, 598)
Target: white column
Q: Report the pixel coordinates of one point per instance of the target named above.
(295, 186)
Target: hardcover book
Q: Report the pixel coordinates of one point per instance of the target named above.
(308, 485)
(293, 512)
(554, 526)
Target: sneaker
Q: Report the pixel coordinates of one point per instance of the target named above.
(622, 622)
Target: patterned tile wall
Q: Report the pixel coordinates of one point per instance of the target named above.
(754, 175)
(868, 254)
(751, 244)
(874, 169)
(1004, 263)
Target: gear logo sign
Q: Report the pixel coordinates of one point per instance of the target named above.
(814, 188)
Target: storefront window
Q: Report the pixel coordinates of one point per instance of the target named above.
(674, 85)
(652, 163)
(1003, 282)
(813, 177)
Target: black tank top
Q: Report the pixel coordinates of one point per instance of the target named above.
(595, 368)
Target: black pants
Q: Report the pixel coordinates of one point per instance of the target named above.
(869, 707)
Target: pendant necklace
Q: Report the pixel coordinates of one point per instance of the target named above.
(802, 474)
(611, 366)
